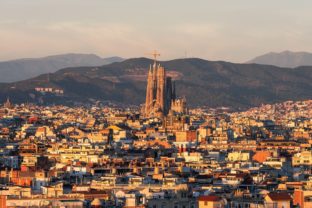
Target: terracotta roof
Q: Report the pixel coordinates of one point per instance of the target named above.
(24, 174)
(209, 198)
(282, 196)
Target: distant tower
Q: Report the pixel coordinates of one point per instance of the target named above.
(173, 91)
(160, 92)
(161, 83)
(169, 96)
(149, 91)
(7, 103)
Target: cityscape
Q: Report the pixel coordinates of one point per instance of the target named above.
(162, 155)
(188, 131)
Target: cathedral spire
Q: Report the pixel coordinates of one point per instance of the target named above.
(173, 90)
(8, 103)
(149, 92)
(160, 92)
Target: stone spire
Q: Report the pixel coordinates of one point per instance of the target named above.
(8, 103)
(173, 91)
(160, 92)
(161, 82)
(149, 92)
(154, 75)
(168, 94)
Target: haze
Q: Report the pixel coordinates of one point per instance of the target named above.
(215, 30)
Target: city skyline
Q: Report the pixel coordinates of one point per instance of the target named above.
(232, 31)
(155, 104)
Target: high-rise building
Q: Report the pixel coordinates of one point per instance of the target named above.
(160, 93)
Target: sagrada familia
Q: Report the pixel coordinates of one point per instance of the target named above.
(161, 94)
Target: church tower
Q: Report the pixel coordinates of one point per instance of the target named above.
(169, 95)
(161, 83)
(160, 93)
(8, 104)
(149, 91)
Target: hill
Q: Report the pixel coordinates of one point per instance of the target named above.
(202, 82)
(16, 70)
(284, 59)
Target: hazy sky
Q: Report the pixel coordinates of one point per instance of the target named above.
(233, 30)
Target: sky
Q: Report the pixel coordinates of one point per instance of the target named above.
(231, 30)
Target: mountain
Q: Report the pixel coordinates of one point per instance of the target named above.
(16, 70)
(284, 59)
(203, 82)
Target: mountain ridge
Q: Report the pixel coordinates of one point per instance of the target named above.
(20, 69)
(286, 58)
(210, 83)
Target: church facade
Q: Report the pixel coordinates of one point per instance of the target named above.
(161, 94)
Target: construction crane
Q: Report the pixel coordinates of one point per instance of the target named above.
(154, 54)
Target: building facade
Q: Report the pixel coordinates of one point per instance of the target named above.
(161, 94)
